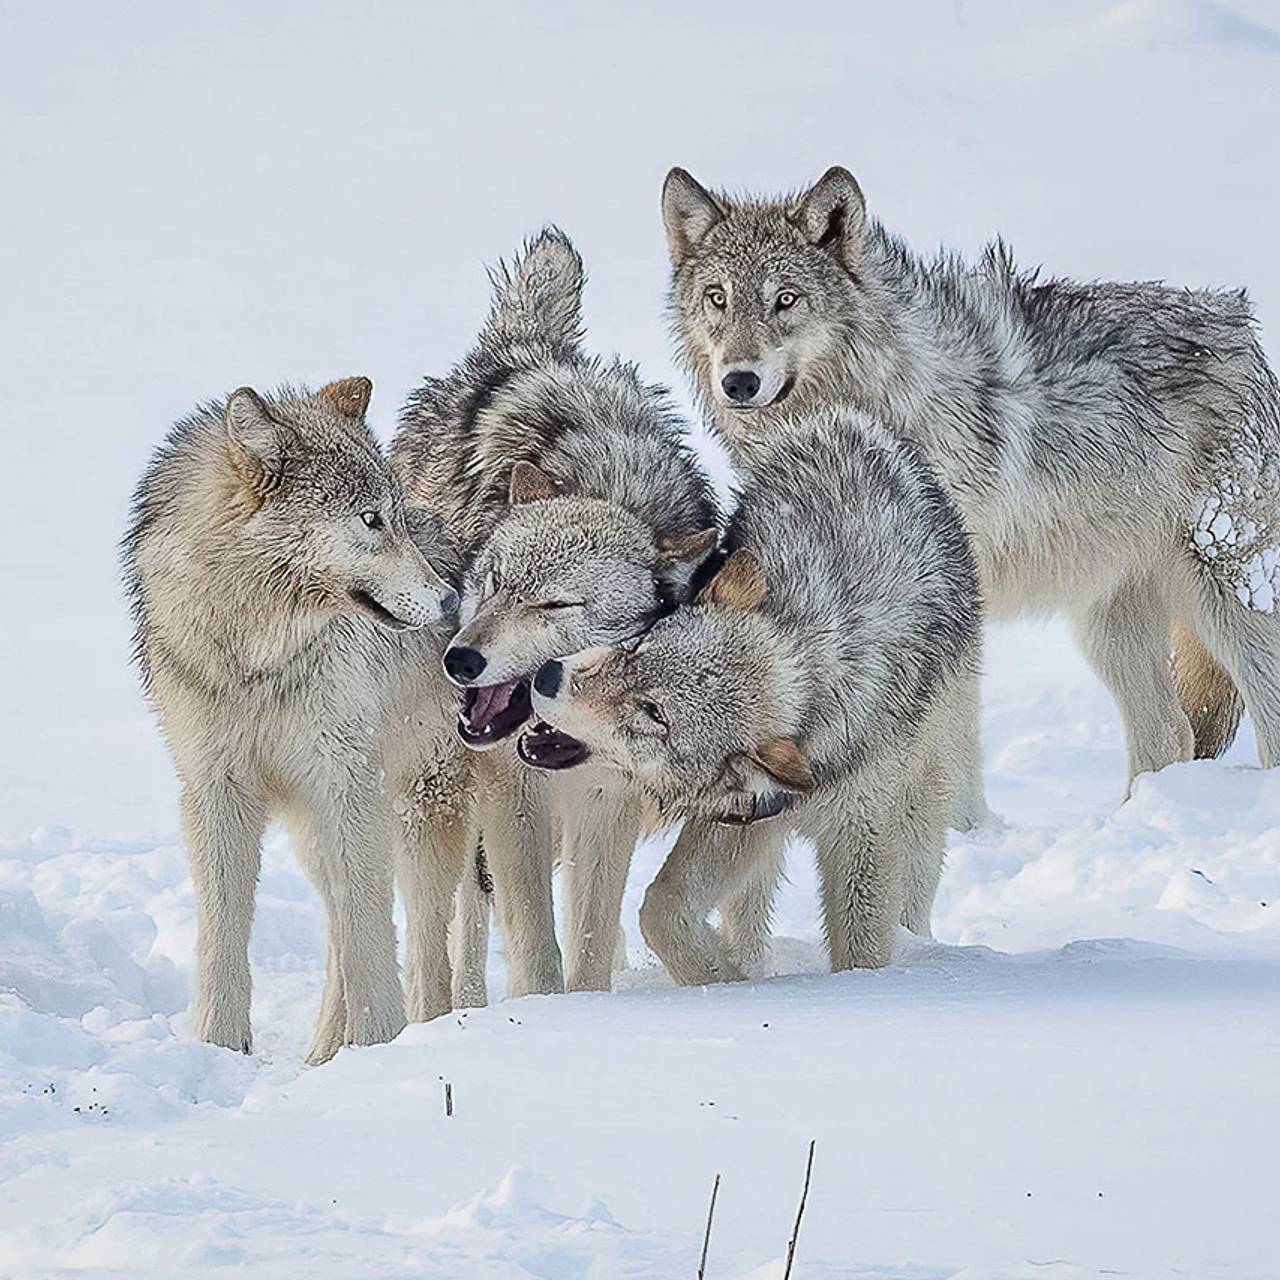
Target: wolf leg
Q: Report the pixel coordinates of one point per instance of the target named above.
(921, 837)
(469, 932)
(708, 864)
(432, 859)
(747, 912)
(223, 827)
(964, 751)
(1126, 639)
(1208, 694)
(863, 889)
(599, 837)
(346, 850)
(1246, 642)
(518, 848)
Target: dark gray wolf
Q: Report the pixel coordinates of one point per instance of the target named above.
(583, 516)
(824, 681)
(1114, 448)
(285, 616)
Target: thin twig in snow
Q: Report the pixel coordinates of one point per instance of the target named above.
(706, 1239)
(804, 1196)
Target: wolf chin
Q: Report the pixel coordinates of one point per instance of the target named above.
(286, 619)
(583, 517)
(1114, 448)
(824, 681)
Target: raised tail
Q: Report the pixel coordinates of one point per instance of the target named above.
(1208, 695)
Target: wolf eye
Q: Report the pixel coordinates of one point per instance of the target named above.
(561, 604)
(371, 519)
(786, 300)
(716, 298)
(654, 712)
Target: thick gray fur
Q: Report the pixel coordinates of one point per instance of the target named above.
(606, 531)
(292, 655)
(1114, 448)
(838, 687)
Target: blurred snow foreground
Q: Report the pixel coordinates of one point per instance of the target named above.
(1080, 1077)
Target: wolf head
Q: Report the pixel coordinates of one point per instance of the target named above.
(765, 294)
(701, 713)
(317, 500)
(559, 573)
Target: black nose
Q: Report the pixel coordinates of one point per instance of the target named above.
(547, 681)
(741, 385)
(463, 664)
(449, 603)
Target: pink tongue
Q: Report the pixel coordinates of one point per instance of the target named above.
(491, 700)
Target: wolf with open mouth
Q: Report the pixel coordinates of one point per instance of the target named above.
(824, 677)
(584, 517)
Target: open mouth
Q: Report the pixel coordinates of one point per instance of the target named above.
(376, 611)
(491, 712)
(548, 748)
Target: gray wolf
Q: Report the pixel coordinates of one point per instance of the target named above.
(285, 616)
(1114, 448)
(823, 681)
(583, 516)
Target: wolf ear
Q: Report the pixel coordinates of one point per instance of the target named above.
(350, 396)
(530, 484)
(540, 295)
(680, 557)
(833, 214)
(689, 211)
(259, 444)
(739, 583)
(785, 762)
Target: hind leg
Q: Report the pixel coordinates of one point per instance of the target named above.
(1246, 642)
(1209, 695)
(1125, 636)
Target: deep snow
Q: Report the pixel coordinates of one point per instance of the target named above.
(1079, 1078)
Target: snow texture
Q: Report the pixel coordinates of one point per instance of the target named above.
(1078, 1078)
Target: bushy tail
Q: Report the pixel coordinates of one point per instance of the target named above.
(1208, 696)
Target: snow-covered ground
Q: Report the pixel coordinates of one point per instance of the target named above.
(1081, 1077)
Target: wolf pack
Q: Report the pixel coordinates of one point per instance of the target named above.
(526, 636)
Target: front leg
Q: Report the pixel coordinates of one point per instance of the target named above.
(516, 831)
(863, 893)
(599, 830)
(432, 860)
(708, 864)
(222, 825)
(346, 849)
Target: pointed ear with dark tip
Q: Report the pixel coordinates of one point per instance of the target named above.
(350, 396)
(259, 444)
(738, 584)
(539, 296)
(530, 484)
(784, 761)
(680, 557)
(833, 214)
(689, 211)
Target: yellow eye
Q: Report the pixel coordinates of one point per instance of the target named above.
(717, 299)
(786, 300)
